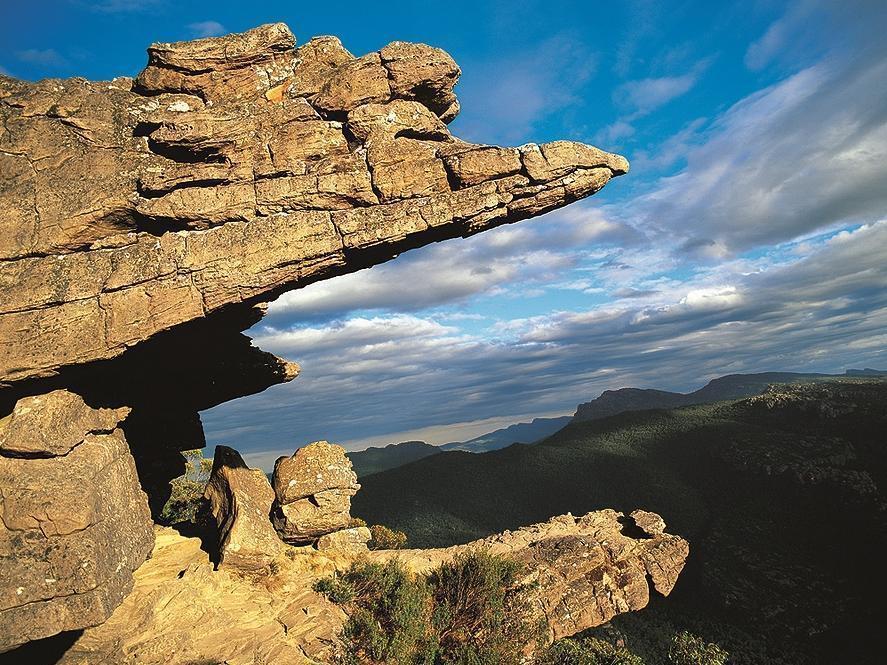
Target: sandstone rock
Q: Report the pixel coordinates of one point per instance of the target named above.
(590, 572)
(143, 224)
(228, 172)
(587, 568)
(313, 491)
(74, 524)
(51, 425)
(312, 469)
(240, 501)
(347, 540)
(650, 523)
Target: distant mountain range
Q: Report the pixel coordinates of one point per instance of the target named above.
(530, 432)
(782, 496)
(376, 459)
(610, 403)
(732, 386)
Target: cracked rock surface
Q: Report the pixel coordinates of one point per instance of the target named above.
(145, 222)
(232, 169)
(74, 523)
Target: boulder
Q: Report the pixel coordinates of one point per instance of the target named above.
(313, 490)
(74, 523)
(584, 570)
(240, 500)
(352, 540)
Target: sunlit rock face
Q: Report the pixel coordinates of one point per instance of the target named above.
(74, 522)
(144, 222)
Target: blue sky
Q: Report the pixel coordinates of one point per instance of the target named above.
(751, 233)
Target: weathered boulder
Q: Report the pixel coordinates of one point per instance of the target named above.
(313, 490)
(354, 540)
(240, 501)
(74, 524)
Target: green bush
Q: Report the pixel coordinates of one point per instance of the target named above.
(588, 651)
(471, 611)
(386, 539)
(688, 649)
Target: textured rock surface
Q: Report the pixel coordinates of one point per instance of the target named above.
(589, 569)
(74, 523)
(313, 491)
(240, 501)
(232, 169)
(348, 540)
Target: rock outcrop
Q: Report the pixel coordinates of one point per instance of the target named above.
(240, 502)
(588, 569)
(233, 169)
(313, 491)
(145, 222)
(74, 523)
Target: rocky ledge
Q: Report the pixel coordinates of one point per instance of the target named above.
(182, 611)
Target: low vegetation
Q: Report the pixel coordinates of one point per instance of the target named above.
(187, 490)
(472, 610)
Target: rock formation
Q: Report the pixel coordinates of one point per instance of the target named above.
(240, 501)
(588, 569)
(313, 491)
(145, 222)
(74, 523)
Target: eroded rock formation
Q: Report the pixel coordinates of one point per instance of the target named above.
(240, 501)
(145, 222)
(74, 523)
(588, 569)
(313, 491)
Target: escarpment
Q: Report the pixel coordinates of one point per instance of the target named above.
(144, 223)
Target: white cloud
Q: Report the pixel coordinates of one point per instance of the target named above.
(646, 95)
(367, 378)
(42, 57)
(207, 29)
(805, 154)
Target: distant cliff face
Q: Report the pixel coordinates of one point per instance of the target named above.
(144, 223)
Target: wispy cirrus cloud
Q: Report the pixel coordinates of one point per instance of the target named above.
(207, 29)
(47, 57)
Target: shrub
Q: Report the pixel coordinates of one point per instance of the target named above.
(386, 539)
(588, 651)
(472, 611)
(388, 612)
(688, 649)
